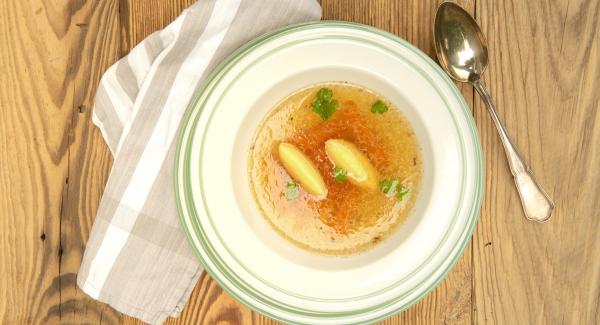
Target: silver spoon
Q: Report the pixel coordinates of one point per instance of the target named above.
(462, 51)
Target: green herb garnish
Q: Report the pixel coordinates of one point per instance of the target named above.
(392, 187)
(340, 175)
(402, 191)
(292, 191)
(324, 104)
(379, 107)
(388, 187)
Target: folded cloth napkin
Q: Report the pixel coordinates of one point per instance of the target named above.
(137, 258)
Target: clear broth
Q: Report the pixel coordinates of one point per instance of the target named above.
(350, 219)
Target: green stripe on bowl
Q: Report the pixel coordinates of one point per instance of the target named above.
(187, 204)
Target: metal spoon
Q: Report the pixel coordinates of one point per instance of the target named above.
(462, 51)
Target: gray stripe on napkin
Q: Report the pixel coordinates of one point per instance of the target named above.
(126, 78)
(100, 227)
(106, 112)
(153, 45)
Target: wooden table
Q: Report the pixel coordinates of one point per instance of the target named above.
(544, 74)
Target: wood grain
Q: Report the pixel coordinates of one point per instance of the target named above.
(544, 74)
(53, 162)
(34, 115)
(46, 83)
(96, 25)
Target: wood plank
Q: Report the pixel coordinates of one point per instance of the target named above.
(39, 96)
(95, 47)
(33, 110)
(544, 74)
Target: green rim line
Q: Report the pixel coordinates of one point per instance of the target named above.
(199, 228)
(207, 208)
(199, 233)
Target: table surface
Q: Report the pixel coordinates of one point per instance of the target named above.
(544, 74)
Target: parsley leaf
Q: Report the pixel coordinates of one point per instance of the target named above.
(388, 187)
(292, 191)
(392, 187)
(324, 104)
(340, 175)
(379, 107)
(401, 192)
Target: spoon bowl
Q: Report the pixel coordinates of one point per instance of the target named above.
(460, 44)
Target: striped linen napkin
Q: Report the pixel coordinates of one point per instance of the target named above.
(137, 258)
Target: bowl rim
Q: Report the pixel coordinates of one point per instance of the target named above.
(181, 198)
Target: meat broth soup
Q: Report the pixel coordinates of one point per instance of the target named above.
(335, 168)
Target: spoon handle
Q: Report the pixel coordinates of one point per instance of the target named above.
(536, 203)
